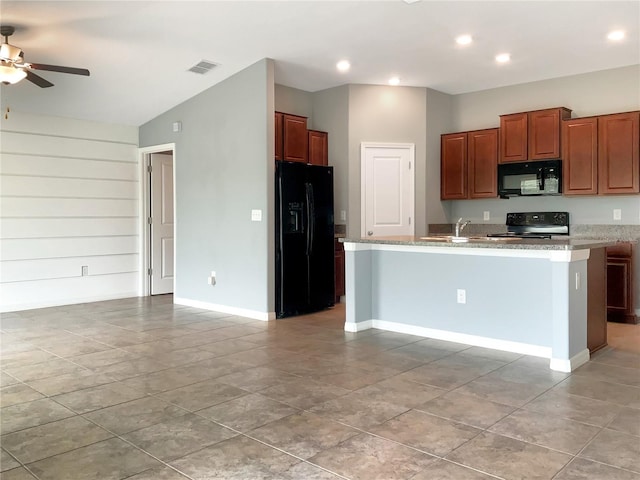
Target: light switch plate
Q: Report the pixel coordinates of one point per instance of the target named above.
(256, 215)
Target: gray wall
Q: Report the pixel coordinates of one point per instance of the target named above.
(387, 114)
(224, 169)
(294, 101)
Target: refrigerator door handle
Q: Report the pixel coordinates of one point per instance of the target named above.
(312, 217)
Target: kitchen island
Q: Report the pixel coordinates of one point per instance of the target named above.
(535, 297)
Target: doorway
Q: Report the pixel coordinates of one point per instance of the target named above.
(387, 195)
(158, 249)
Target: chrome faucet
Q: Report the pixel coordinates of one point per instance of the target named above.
(460, 226)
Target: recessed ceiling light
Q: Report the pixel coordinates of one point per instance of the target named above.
(464, 40)
(616, 35)
(343, 65)
(394, 81)
(503, 58)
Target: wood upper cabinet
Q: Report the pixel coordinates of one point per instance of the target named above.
(544, 133)
(618, 155)
(531, 135)
(291, 137)
(580, 156)
(513, 137)
(620, 283)
(318, 147)
(453, 166)
(482, 157)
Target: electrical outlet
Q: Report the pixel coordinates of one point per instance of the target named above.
(617, 214)
(343, 215)
(85, 270)
(486, 215)
(462, 295)
(256, 215)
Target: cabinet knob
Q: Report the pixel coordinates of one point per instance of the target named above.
(369, 233)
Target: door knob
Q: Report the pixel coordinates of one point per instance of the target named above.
(369, 233)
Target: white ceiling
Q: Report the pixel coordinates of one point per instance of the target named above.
(139, 51)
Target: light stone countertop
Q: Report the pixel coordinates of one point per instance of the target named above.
(487, 242)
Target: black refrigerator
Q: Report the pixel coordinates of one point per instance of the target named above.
(305, 258)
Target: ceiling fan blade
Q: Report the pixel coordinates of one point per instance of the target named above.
(38, 80)
(57, 68)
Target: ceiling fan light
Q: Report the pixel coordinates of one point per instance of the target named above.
(9, 52)
(11, 74)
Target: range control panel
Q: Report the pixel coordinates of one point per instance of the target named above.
(538, 219)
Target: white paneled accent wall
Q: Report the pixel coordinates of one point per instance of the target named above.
(69, 198)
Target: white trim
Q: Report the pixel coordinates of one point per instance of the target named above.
(570, 255)
(569, 365)
(240, 312)
(358, 326)
(65, 301)
(143, 209)
(474, 340)
(363, 183)
(447, 249)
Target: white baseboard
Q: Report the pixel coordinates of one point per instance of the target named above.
(65, 301)
(473, 340)
(358, 326)
(569, 365)
(240, 312)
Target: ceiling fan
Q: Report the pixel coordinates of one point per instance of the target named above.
(13, 68)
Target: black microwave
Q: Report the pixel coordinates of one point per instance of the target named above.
(530, 178)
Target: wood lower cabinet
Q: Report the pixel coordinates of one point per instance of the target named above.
(620, 283)
(318, 144)
(580, 156)
(339, 269)
(482, 156)
(291, 137)
(453, 166)
(596, 299)
(532, 135)
(618, 153)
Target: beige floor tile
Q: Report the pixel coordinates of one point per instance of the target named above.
(614, 448)
(17, 474)
(247, 412)
(303, 393)
(444, 470)
(111, 459)
(94, 398)
(466, 409)
(581, 469)
(509, 458)
(53, 438)
(31, 414)
(202, 395)
(365, 457)
(7, 462)
(18, 393)
(303, 434)
(628, 421)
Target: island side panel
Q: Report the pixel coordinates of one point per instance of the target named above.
(569, 280)
(505, 298)
(358, 292)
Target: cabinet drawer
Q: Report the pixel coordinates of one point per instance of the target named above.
(620, 249)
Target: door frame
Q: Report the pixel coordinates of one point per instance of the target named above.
(144, 209)
(411, 147)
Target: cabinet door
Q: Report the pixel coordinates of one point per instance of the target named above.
(294, 138)
(482, 157)
(618, 280)
(544, 133)
(453, 166)
(278, 140)
(618, 153)
(318, 148)
(513, 138)
(580, 156)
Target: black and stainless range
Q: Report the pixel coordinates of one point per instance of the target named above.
(542, 225)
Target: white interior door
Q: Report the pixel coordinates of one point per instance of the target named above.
(387, 189)
(161, 224)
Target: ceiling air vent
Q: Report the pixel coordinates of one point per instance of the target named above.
(203, 67)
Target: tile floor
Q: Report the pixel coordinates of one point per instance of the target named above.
(144, 389)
